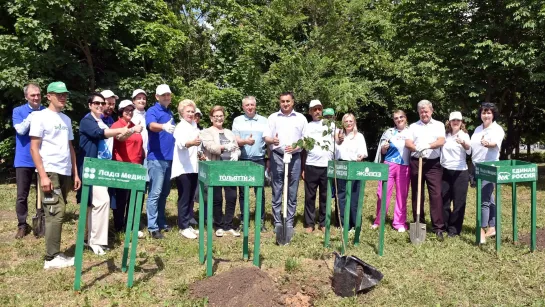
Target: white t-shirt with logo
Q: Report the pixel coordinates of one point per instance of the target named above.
(453, 155)
(494, 133)
(319, 156)
(55, 129)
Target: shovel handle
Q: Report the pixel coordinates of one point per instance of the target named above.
(285, 193)
(38, 194)
(419, 189)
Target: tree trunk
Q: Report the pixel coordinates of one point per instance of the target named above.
(84, 46)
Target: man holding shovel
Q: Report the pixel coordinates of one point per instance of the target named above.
(285, 127)
(24, 166)
(424, 140)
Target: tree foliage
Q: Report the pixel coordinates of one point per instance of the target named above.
(367, 57)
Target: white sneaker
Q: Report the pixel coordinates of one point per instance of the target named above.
(60, 261)
(140, 234)
(233, 232)
(97, 249)
(220, 232)
(188, 233)
(374, 226)
(401, 229)
(195, 231)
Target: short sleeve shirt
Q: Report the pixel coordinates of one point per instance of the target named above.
(397, 152)
(22, 142)
(494, 133)
(160, 144)
(319, 155)
(243, 126)
(55, 130)
(428, 133)
(290, 129)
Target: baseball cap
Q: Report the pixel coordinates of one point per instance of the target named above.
(198, 111)
(314, 103)
(125, 103)
(138, 91)
(328, 112)
(108, 94)
(455, 115)
(162, 89)
(57, 87)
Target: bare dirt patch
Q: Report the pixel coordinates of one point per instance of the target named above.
(247, 286)
(540, 238)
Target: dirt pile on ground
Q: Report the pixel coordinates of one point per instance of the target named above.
(247, 286)
(540, 238)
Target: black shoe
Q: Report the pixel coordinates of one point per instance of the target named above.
(22, 231)
(263, 227)
(167, 228)
(439, 236)
(156, 234)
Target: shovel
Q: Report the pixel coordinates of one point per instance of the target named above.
(38, 221)
(284, 233)
(418, 230)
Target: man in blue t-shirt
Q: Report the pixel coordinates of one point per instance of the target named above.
(24, 166)
(160, 125)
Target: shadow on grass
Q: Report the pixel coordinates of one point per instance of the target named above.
(112, 268)
(216, 263)
(149, 273)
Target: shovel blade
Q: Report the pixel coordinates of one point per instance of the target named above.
(283, 234)
(38, 225)
(417, 233)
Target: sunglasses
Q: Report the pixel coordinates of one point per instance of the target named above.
(102, 103)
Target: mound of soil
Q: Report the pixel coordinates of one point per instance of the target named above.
(540, 238)
(246, 286)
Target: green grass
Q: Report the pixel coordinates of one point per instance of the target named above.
(453, 272)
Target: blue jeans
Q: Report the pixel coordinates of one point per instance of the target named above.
(294, 172)
(354, 197)
(159, 182)
(241, 194)
(488, 206)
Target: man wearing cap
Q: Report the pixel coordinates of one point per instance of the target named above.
(160, 125)
(285, 128)
(425, 138)
(24, 166)
(108, 115)
(315, 166)
(53, 154)
(248, 129)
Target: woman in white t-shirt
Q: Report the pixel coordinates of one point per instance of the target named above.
(396, 156)
(486, 146)
(350, 147)
(455, 175)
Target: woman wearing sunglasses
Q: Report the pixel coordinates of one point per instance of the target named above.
(486, 146)
(93, 135)
(455, 175)
(392, 150)
(127, 148)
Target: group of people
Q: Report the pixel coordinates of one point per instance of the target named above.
(171, 150)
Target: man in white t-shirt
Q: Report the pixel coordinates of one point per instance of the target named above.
(315, 167)
(426, 137)
(53, 154)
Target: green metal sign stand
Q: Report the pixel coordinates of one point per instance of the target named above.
(508, 171)
(118, 175)
(359, 172)
(229, 173)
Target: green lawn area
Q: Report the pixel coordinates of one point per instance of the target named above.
(453, 272)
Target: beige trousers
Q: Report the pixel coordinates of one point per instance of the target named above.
(97, 219)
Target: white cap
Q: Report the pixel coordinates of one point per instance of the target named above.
(198, 111)
(455, 115)
(314, 103)
(138, 91)
(108, 94)
(125, 103)
(162, 89)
